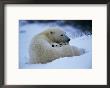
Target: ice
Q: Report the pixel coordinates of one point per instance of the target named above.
(27, 31)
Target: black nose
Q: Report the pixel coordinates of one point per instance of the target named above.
(69, 39)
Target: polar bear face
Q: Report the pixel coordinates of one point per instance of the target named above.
(58, 36)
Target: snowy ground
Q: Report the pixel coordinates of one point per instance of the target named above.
(26, 32)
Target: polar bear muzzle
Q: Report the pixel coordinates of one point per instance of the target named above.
(67, 39)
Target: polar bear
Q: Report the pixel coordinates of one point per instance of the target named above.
(42, 51)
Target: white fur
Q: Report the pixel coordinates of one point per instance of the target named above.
(41, 50)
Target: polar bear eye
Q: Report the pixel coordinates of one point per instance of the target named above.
(51, 32)
(61, 35)
(52, 45)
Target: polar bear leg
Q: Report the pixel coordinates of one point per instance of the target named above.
(68, 51)
(78, 51)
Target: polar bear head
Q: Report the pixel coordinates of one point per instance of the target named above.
(57, 35)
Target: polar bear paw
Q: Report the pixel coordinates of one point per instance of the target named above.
(82, 51)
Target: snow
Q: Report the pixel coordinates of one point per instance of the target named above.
(27, 31)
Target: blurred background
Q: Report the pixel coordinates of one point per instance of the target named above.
(84, 26)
